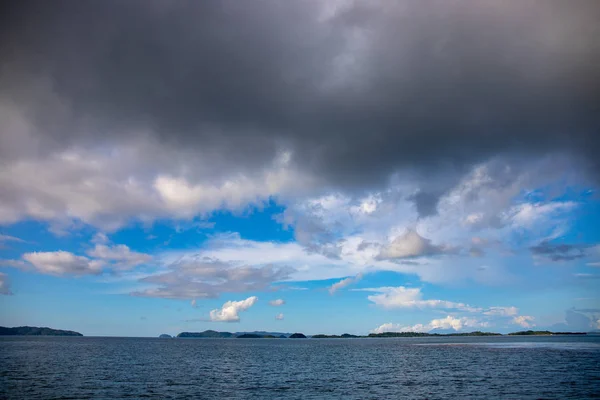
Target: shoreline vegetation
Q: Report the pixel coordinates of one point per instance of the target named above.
(44, 331)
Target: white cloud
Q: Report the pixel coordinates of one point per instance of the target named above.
(142, 181)
(230, 310)
(526, 214)
(502, 311)
(525, 321)
(403, 297)
(100, 238)
(279, 316)
(344, 282)
(63, 263)
(456, 324)
(277, 302)
(119, 255)
(7, 238)
(114, 257)
(4, 284)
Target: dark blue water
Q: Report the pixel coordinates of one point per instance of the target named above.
(430, 368)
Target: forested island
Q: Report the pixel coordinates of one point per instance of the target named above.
(544, 333)
(35, 331)
(342, 336)
(278, 335)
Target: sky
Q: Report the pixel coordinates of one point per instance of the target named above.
(300, 166)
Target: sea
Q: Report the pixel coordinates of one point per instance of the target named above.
(548, 367)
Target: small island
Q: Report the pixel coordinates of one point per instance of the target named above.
(342, 336)
(165, 336)
(297, 336)
(35, 331)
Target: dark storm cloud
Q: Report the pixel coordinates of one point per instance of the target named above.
(358, 94)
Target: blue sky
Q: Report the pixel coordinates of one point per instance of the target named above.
(436, 279)
(323, 167)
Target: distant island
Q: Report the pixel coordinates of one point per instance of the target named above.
(229, 335)
(255, 336)
(206, 334)
(44, 331)
(425, 334)
(544, 333)
(278, 335)
(35, 331)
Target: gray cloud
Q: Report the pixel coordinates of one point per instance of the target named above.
(357, 94)
(559, 252)
(575, 321)
(4, 284)
(120, 256)
(205, 278)
(409, 245)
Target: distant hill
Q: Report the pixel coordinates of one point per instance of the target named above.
(35, 331)
(543, 333)
(165, 336)
(227, 335)
(263, 333)
(255, 336)
(424, 334)
(206, 334)
(342, 336)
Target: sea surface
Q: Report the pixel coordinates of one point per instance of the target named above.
(384, 368)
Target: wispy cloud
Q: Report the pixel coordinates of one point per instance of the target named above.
(344, 283)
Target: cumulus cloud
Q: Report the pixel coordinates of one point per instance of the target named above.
(578, 321)
(101, 257)
(448, 323)
(279, 317)
(410, 244)
(230, 310)
(277, 302)
(526, 321)
(4, 284)
(344, 282)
